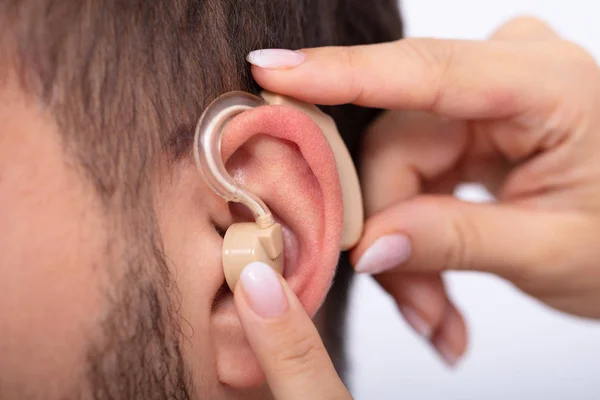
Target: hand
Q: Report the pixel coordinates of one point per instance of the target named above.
(519, 113)
(284, 339)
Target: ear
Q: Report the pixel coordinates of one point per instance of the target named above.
(281, 155)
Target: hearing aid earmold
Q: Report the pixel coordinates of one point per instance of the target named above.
(262, 240)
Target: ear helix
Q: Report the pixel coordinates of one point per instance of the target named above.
(243, 242)
(351, 192)
(263, 240)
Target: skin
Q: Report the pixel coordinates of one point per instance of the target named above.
(92, 310)
(63, 259)
(519, 113)
(37, 282)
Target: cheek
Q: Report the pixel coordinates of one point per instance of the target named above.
(50, 242)
(185, 211)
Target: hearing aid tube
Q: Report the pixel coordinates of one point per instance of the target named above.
(207, 152)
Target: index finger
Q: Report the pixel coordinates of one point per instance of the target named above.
(458, 78)
(284, 339)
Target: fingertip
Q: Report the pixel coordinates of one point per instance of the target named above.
(421, 299)
(278, 81)
(426, 307)
(418, 219)
(386, 253)
(263, 290)
(261, 75)
(450, 340)
(313, 75)
(416, 321)
(276, 59)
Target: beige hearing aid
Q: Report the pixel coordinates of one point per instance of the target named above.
(263, 240)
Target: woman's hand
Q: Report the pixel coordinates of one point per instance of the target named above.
(284, 339)
(519, 113)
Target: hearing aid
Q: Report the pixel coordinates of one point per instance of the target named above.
(262, 240)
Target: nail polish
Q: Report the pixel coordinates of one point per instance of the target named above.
(385, 253)
(276, 58)
(418, 324)
(446, 352)
(263, 290)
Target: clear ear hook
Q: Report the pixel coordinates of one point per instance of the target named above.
(207, 152)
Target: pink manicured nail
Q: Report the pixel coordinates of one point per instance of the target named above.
(276, 58)
(263, 289)
(386, 253)
(415, 321)
(446, 352)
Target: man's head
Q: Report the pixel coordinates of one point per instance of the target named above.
(111, 284)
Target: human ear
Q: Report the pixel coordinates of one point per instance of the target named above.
(280, 154)
(262, 240)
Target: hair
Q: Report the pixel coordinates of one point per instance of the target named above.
(126, 81)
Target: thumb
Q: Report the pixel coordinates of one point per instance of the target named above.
(284, 339)
(433, 234)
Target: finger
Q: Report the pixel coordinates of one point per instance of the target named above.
(423, 301)
(284, 339)
(405, 152)
(525, 28)
(433, 234)
(450, 340)
(463, 79)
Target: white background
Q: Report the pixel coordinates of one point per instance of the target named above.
(519, 349)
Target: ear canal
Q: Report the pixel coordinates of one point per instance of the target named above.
(351, 193)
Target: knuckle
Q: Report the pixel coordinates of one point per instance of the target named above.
(462, 236)
(300, 356)
(428, 53)
(456, 233)
(583, 60)
(501, 98)
(527, 23)
(578, 60)
(579, 76)
(432, 62)
(527, 20)
(350, 56)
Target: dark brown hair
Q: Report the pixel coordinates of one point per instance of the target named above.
(124, 75)
(127, 79)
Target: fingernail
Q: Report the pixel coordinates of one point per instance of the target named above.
(276, 58)
(386, 253)
(446, 352)
(416, 322)
(263, 290)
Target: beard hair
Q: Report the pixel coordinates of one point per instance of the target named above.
(137, 354)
